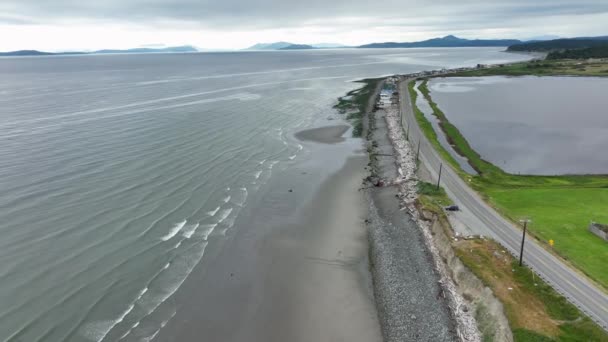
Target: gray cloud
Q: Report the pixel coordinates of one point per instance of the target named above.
(440, 15)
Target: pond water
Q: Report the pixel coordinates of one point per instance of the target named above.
(426, 109)
(531, 125)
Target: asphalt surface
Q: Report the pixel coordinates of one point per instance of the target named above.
(481, 218)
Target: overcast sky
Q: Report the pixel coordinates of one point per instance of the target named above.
(56, 25)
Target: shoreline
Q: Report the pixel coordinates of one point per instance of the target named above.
(298, 269)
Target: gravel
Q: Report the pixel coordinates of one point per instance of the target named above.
(410, 299)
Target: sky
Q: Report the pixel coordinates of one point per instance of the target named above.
(61, 25)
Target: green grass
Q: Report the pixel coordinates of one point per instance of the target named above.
(562, 215)
(573, 325)
(355, 103)
(535, 311)
(427, 128)
(543, 68)
(432, 199)
(561, 207)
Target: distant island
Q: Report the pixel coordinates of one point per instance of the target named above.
(298, 47)
(447, 41)
(173, 49)
(36, 53)
(184, 48)
(292, 46)
(560, 44)
(269, 46)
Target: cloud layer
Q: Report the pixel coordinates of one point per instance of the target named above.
(377, 21)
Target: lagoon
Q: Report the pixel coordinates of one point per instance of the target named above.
(530, 125)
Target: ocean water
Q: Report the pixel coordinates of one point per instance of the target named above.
(530, 125)
(119, 172)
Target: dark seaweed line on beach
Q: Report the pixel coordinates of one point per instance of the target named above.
(356, 102)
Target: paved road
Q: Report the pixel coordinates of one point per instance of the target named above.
(480, 217)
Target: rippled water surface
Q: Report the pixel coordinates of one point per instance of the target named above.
(531, 125)
(119, 171)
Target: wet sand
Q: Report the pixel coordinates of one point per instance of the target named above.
(297, 269)
(326, 135)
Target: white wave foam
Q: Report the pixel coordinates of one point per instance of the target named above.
(96, 331)
(242, 198)
(227, 198)
(129, 331)
(213, 212)
(300, 147)
(177, 245)
(151, 337)
(167, 292)
(176, 228)
(223, 214)
(99, 330)
(272, 164)
(262, 162)
(189, 230)
(141, 293)
(162, 325)
(292, 157)
(258, 174)
(166, 266)
(207, 230)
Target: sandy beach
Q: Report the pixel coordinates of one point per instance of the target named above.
(297, 270)
(326, 135)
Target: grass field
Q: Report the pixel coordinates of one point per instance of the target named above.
(597, 67)
(562, 215)
(535, 311)
(561, 207)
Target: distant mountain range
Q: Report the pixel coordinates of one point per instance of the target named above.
(184, 48)
(292, 46)
(538, 44)
(447, 41)
(173, 49)
(561, 44)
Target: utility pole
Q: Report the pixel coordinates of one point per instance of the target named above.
(418, 152)
(523, 240)
(407, 133)
(439, 179)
